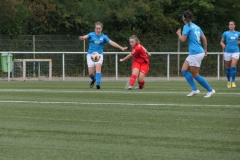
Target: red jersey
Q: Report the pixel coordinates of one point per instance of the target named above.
(139, 54)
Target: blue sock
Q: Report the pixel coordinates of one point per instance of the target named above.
(93, 77)
(203, 83)
(98, 78)
(233, 73)
(228, 73)
(190, 80)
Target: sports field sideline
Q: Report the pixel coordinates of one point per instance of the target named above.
(68, 120)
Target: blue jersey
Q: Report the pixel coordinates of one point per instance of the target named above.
(231, 39)
(193, 33)
(96, 43)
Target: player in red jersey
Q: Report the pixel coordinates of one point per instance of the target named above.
(140, 64)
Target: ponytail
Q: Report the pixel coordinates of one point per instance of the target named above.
(188, 16)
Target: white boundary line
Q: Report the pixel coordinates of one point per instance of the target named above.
(125, 104)
(109, 91)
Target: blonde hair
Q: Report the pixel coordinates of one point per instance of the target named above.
(98, 23)
(135, 38)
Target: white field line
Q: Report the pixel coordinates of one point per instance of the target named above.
(125, 104)
(109, 91)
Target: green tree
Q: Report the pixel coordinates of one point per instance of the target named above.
(142, 17)
(13, 17)
(41, 12)
(121, 18)
(8, 9)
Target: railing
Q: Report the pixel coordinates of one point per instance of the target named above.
(116, 60)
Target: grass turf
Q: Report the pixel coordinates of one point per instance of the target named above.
(67, 120)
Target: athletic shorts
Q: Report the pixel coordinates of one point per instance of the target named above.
(143, 67)
(195, 60)
(229, 56)
(90, 63)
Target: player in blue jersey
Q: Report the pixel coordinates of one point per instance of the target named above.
(193, 34)
(229, 43)
(96, 44)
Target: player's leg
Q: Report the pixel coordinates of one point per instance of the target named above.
(99, 71)
(199, 78)
(194, 68)
(92, 76)
(143, 72)
(188, 77)
(91, 70)
(141, 81)
(135, 72)
(235, 58)
(227, 58)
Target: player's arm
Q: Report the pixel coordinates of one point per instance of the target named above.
(126, 58)
(146, 51)
(204, 40)
(222, 43)
(238, 38)
(83, 37)
(114, 44)
(182, 38)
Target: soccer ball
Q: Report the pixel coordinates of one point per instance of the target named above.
(95, 56)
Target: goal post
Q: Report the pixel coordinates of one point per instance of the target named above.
(20, 68)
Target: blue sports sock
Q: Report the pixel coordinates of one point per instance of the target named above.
(93, 77)
(233, 73)
(98, 78)
(203, 83)
(228, 74)
(190, 80)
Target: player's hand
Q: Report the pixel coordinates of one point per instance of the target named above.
(80, 37)
(121, 60)
(223, 46)
(179, 31)
(205, 51)
(124, 48)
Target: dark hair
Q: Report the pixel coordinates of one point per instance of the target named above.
(188, 16)
(233, 22)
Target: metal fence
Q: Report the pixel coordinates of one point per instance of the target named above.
(168, 66)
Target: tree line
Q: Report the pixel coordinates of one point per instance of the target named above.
(121, 18)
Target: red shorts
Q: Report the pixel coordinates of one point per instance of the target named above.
(143, 67)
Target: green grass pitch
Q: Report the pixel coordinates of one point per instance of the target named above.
(68, 120)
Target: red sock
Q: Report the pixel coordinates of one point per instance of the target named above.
(132, 80)
(141, 84)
